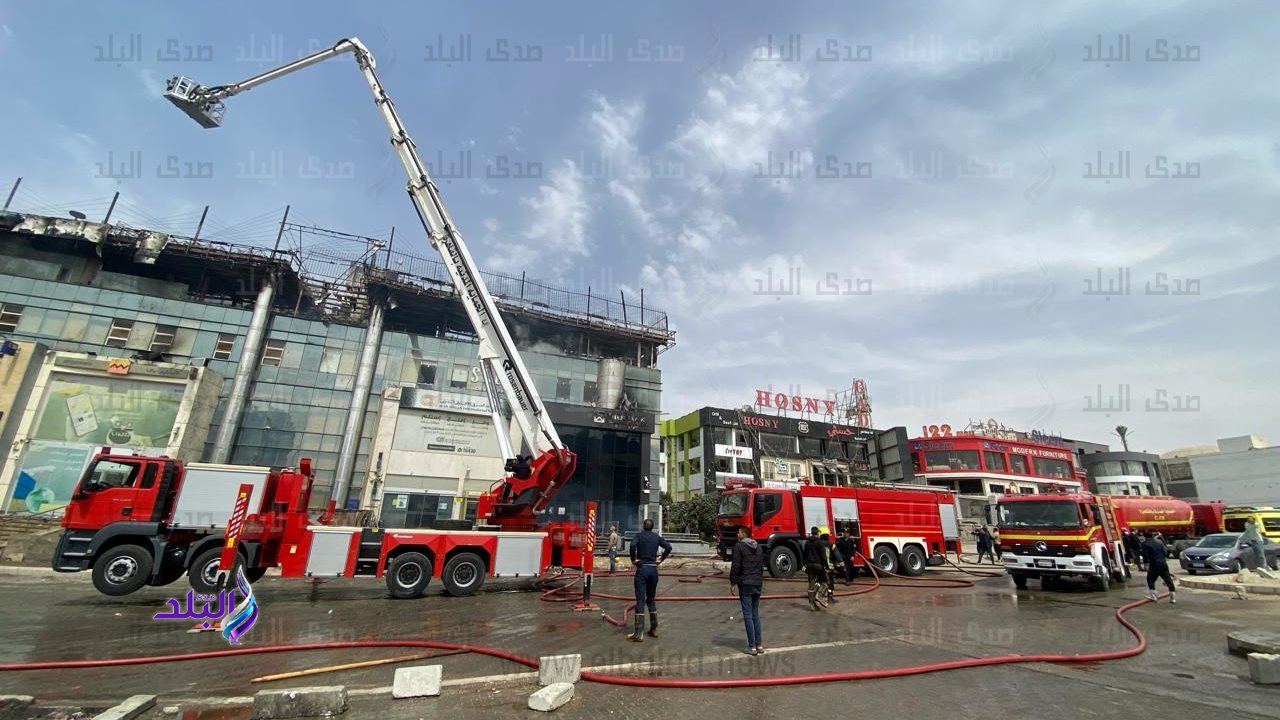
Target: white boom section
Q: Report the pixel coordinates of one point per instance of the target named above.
(497, 350)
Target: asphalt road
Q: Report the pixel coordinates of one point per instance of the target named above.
(1185, 671)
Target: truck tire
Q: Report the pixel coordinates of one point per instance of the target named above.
(783, 562)
(463, 574)
(1019, 580)
(121, 570)
(253, 575)
(202, 575)
(1101, 580)
(886, 558)
(408, 575)
(913, 561)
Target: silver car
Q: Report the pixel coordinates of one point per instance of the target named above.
(1222, 552)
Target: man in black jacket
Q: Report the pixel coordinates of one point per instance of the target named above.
(815, 563)
(644, 556)
(1156, 556)
(847, 547)
(746, 576)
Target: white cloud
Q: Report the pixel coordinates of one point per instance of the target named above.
(556, 231)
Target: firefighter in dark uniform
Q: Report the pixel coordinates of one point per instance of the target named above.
(815, 564)
(645, 558)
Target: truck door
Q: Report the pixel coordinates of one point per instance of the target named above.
(764, 513)
(107, 493)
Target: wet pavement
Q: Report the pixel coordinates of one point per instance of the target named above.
(1185, 670)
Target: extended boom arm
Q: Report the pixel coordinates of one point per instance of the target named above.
(531, 481)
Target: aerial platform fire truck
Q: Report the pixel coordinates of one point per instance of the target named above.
(1064, 533)
(901, 529)
(140, 521)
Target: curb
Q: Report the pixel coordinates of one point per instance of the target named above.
(28, 571)
(1230, 587)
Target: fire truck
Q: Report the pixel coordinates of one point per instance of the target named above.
(1066, 533)
(131, 519)
(899, 528)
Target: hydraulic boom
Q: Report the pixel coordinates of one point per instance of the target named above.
(531, 480)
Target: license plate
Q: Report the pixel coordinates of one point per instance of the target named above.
(1199, 564)
(1044, 563)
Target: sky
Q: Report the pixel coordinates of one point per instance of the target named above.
(1060, 216)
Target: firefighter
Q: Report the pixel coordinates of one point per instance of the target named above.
(847, 547)
(645, 558)
(1157, 558)
(1133, 544)
(831, 556)
(814, 564)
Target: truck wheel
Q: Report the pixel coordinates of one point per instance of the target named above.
(885, 558)
(463, 575)
(122, 570)
(913, 561)
(408, 575)
(1191, 571)
(1102, 579)
(783, 562)
(1019, 581)
(203, 573)
(253, 575)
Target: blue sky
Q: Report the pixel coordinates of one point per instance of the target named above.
(985, 232)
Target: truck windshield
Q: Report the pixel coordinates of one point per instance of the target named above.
(733, 503)
(1040, 514)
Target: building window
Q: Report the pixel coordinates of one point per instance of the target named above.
(590, 392)
(695, 466)
(1052, 468)
(162, 340)
(695, 439)
(775, 444)
(426, 374)
(330, 360)
(1018, 464)
(222, 349)
(118, 335)
(273, 353)
(994, 460)
(9, 317)
(458, 377)
(995, 488)
(563, 386)
(810, 447)
(724, 465)
(951, 460)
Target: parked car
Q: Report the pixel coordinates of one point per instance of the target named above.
(1222, 552)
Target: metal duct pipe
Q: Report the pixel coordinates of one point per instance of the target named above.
(359, 403)
(246, 368)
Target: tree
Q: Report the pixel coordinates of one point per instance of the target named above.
(699, 512)
(1123, 432)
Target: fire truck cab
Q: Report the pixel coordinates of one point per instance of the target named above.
(1059, 534)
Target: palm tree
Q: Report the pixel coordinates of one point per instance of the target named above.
(1123, 432)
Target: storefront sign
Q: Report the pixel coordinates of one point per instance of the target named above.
(798, 403)
(436, 400)
(447, 432)
(761, 422)
(722, 478)
(733, 451)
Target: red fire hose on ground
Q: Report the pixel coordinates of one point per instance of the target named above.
(555, 595)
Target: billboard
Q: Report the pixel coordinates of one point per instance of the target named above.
(78, 415)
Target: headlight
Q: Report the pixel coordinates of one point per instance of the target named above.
(1221, 556)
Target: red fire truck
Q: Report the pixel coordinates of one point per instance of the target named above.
(899, 528)
(1062, 534)
(105, 526)
(136, 520)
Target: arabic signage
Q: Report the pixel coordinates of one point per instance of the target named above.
(218, 612)
(962, 443)
(447, 432)
(720, 417)
(436, 400)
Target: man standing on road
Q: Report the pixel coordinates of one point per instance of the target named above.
(645, 558)
(982, 538)
(831, 556)
(1134, 542)
(1253, 539)
(1156, 556)
(746, 576)
(847, 548)
(615, 544)
(814, 566)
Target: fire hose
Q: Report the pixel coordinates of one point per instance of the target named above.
(635, 681)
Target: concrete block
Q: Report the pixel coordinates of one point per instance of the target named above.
(554, 669)
(421, 681)
(129, 709)
(13, 702)
(1264, 669)
(1243, 642)
(551, 697)
(300, 702)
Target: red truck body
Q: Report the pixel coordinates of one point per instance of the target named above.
(898, 528)
(137, 521)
